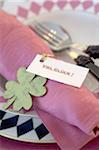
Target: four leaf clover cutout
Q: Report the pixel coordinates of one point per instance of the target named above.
(19, 93)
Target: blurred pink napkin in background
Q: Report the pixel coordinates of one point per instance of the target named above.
(69, 113)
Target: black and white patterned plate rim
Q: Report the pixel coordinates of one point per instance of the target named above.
(24, 128)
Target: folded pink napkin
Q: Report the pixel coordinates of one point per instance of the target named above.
(70, 113)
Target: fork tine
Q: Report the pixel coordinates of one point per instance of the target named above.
(48, 32)
(57, 40)
(45, 36)
(53, 32)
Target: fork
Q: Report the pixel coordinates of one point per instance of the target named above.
(59, 39)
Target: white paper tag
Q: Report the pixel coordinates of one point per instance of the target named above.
(58, 70)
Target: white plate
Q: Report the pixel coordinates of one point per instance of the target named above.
(83, 28)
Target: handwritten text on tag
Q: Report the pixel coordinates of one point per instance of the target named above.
(58, 70)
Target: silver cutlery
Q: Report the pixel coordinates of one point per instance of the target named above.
(55, 35)
(59, 39)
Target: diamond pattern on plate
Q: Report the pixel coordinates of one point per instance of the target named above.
(2, 113)
(96, 8)
(48, 136)
(61, 4)
(37, 122)
(35, 7)
(74, 4)
(25, 127)
(8, 115)
(22, 10)
(10, 132)
(22, 119)
(41, 131)
(48, 5)
(87, 4)
(30, 136)
(8, 123)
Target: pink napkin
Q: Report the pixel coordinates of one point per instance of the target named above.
(69, 113)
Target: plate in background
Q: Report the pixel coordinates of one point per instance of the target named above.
(83, 28)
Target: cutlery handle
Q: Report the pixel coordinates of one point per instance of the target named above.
(88, 62)
(93, 69)
(93, 51)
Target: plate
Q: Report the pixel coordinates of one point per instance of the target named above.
(84, 29)
(22, 127)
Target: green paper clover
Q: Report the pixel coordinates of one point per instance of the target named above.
(19, 93)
